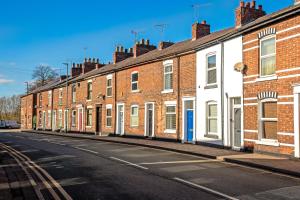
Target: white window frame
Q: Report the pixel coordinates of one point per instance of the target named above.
(131, 115)
(108, 107)
(60, 96)
(49, 98)
(49, 116)
(208, 118)
(109, 77)
(135, 82)
(267, 56)
(211, 69)
(73, 93)
(60, 118)
(167, 64)
(168, 104)
(262, 140)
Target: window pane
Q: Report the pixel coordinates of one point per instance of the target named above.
(108, 112)
(171, 121)
(212, 76)
(269, 110)
(168, 68)
(108, 82)
(211, 61)
(170, 109)
(134, 77)
(134, 86)
(108, 121)
(134, 110)
(268, 47)
(189, 105)
(212, 126)
(109, 92)
(268, 66)
(134, 121)
(212, 111)
(168, 81)
(270, 130)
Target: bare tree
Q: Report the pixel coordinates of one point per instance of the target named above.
(42, 74)
(10, 108)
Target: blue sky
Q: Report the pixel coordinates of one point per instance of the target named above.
(51, 32)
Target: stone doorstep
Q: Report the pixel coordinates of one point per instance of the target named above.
(246, 159)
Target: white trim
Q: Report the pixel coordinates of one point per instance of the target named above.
(109, 76)
(250, 140)
(249, 49)
(134, 82)
(288, 29)
(251, 131)
(285, 96)
(168, 62)
(285, 134)
(296, 120)
(289, 76)
(286, 145)
(167, 91)
(251, 76)
(285, 103)
(268, 142)
(266, 37)
(89, 107)
(170, 103)
(289, 37)
(153, 120)
(108, 106)
(250, 41)
(82, 118)
(169, 131)
(288, 70)
(134, 106)
(183, 121)
(90, 81)
(211, 69)
(266, 78)
(250, 104)
(250, 98)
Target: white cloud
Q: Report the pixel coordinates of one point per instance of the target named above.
(6, 81)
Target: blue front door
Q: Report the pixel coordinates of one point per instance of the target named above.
(190, 125)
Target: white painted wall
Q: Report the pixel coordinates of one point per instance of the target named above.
(232, 87)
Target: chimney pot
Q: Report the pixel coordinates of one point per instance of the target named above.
(253, 4)
(147, 42)
(242, 4)
(260, 7)
(248, 4)
(93, 60)
(85, 59)
(203, 22)
(97, 60)
(90, 60)
(142, 41)
(248, 13)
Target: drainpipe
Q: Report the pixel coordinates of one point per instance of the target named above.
(178, 98)
(222, 91)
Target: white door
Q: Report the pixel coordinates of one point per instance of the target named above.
(149, 119)
(120, 124)
(54, 120)
(66, 121)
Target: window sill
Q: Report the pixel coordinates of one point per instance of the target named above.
(135, 91)
(266, 78)
(211, 86)
(108, 126)
(169, 131)
(211, 136)
(88, 126)
(268, 142)
(167, 91)
(88, 100)
(108, 96)
(134, 126)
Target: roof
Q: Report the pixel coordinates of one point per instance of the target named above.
(178, 48)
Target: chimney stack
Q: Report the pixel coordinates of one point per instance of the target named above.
(142, 47)
(200, 30)
(76, 70)
(247, 13)
(89, 65)
(162, 45)
(121, 54)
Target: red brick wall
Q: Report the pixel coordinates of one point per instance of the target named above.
(287, 57)
(27, 111)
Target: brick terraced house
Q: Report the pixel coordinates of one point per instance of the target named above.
(236, 87)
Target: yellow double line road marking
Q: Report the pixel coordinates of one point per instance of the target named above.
(39, 172)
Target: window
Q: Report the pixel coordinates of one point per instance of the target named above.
(168, 77)
(268, 120)
(40, 118)
(89, 90)
(134, 81)
(60, 118)
(108, 116)
(267, 56)
(40, 99)
(74, 118)
(109, 87)
(60, 96)
(49, 98)
(212, 118)
(73, 93)
(134, 116)
(211, 70)
(89, 117)
(170, 117)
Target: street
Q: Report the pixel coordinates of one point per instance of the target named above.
(87, 169)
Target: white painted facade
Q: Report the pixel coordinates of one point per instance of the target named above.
(232, 87)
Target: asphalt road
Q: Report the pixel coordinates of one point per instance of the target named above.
(86, 169)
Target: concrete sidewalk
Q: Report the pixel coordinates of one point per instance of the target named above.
(276, 164)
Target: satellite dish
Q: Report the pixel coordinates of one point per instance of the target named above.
(239, 67)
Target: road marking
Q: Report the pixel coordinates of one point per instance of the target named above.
(206, 189)
(180, 162)
(35, 169)
(129, 163)
(57, 143)
(95, 152)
